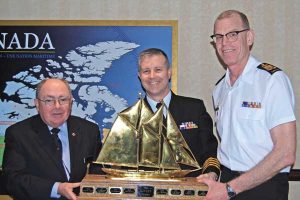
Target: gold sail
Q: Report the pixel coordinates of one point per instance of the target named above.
(183, 153)
(120, 145)
(140, 141)
(155, 151)
(137, 114)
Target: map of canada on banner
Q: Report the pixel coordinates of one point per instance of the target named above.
(100, 63)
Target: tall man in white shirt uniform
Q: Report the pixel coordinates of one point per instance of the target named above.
(255, 119)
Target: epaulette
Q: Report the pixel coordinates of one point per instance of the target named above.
(220, 79)
(269, 68)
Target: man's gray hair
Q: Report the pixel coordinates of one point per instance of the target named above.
(152, 52)
(40, 85)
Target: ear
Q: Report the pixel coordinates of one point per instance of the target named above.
(37, 105)
(250, 37)
(71, 103)
(170, 72)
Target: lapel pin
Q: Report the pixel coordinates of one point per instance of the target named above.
(73, 134)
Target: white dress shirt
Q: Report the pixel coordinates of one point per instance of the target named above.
(247, 111)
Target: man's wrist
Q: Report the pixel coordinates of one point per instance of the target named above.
(230, 191)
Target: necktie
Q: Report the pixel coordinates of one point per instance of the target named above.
(57, 141)
(158, 105)
(59, 153)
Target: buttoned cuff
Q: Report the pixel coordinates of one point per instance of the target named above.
(54, 193)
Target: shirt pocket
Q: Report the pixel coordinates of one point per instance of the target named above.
(251, 113)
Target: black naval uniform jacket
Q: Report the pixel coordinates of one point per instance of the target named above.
(196, 126)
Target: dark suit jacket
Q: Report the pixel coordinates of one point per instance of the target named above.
(29, 163)
(201, 140)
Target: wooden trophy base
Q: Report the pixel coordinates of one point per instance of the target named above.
(102, 187)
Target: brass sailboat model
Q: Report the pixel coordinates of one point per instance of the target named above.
(142, 144)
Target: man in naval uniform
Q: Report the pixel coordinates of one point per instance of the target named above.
(189, 114)
(255, 119)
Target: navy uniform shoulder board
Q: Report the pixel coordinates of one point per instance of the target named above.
(220, 79)
(269, 68)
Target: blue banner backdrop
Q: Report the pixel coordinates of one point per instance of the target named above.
(98, 58)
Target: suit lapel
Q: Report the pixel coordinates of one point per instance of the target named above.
(74, 134)
(43, 136)
(173, 107)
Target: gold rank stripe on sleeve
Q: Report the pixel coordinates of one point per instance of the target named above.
(211, 162)
(215, 164)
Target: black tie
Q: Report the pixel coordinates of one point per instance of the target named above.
(158, 105)
(57, 141)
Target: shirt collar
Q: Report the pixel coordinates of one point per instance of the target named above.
(248, 72)
(63, 127)
(153, 103)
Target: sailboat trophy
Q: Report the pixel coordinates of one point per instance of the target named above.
(144, 156)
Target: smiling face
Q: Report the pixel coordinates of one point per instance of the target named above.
(155, 75)
(54, 115)
(234, 54)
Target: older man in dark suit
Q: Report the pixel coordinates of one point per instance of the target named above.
(45, 155)
(189, 114)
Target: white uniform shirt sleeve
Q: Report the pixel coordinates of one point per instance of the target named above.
(280, 102)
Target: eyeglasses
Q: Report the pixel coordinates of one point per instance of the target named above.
(231, 36)
(51, 102)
